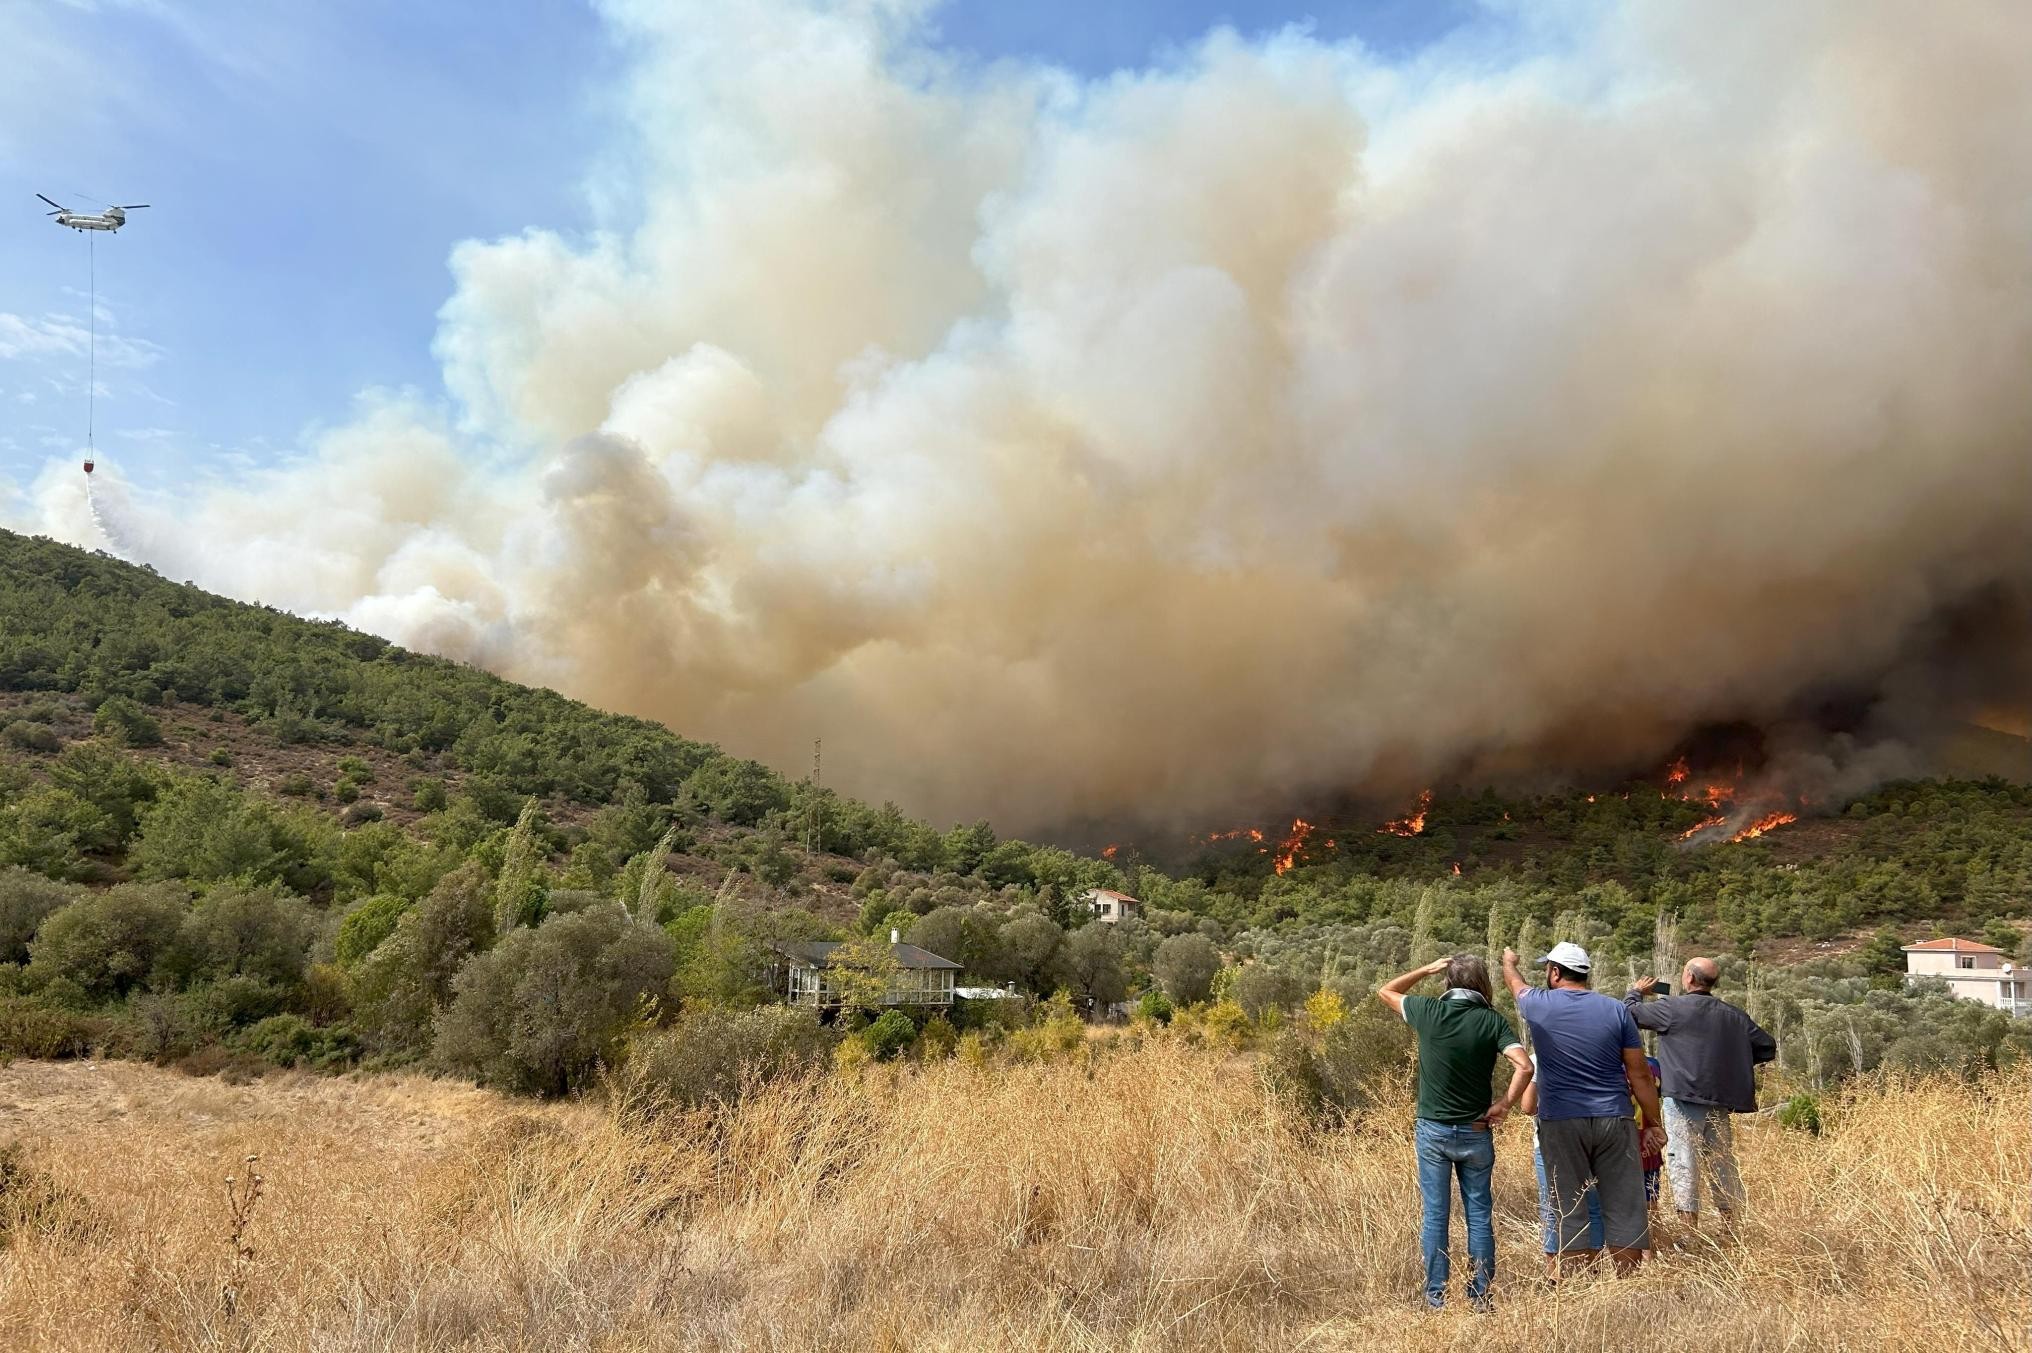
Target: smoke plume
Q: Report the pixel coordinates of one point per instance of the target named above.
(1274, 419)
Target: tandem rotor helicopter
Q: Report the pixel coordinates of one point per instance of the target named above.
(109, 221)
(112, 218)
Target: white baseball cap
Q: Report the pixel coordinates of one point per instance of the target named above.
(1569, 956)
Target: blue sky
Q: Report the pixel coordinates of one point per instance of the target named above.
(311, 166)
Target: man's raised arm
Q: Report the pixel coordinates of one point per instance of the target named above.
(1647, 1015)
(1514, 979)
(1393, 992)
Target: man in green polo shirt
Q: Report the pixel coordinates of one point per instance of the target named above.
(1460, 1035)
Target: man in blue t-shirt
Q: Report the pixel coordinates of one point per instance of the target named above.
(1590, 1063)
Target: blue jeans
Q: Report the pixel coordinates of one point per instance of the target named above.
(1551, 1223)
(1444, 1151)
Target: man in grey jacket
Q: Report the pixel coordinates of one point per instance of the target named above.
(1708, 1054)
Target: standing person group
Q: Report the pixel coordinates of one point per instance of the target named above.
(1597, 1097)
(1708, 1055)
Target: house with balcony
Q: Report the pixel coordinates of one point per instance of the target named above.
(814, 974)
(1973, 971)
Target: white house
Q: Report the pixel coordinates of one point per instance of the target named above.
(1972, 971)
(1111, 906)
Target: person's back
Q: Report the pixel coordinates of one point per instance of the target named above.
(1708, 1050)
(1459, 1040)
(1580, 1037)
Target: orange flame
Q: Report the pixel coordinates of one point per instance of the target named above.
(1288, 849)
(1109, 852)
(1238, 834)
(1703, 825)
(1764, 824)
(1675, 774)
(1414, 823)
(1456, 868)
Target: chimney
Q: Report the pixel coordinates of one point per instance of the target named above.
(895, 937)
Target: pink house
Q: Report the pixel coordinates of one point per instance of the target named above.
(1972, 971)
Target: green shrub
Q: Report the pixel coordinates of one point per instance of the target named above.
(430, 795)
(360, 814)
(1155, 1006)
(544, 1008)
(296, 785)
(937, 1040)
(291, 1040)
(398, 989)
(257, 933)
(346, 789)
(888, 1036)
(220, 757)
(712, 1055)
(31, 736)
(363, 928)
(357, 769)
(1801, 1113)
(1328, 1076)
(121, 720)
(108, 943)
(1185, 966)
(202, 828)
(50, 830)
(736, 791)
(28, 1028)
(25, 899)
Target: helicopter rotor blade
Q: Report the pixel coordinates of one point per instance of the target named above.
(54, 203)
(134, 206)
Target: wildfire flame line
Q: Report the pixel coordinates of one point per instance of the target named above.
(1412, 824)
(1288, 849)
(1764, 824)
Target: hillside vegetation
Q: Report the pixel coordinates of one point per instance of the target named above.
(1143, 1196)
(230, 839)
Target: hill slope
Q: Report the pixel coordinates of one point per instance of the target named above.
(225, 820)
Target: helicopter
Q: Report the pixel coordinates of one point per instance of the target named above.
(112, 218)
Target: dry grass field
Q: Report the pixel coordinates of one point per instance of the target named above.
(1151, 1200)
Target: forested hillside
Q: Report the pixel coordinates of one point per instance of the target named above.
(231, 836)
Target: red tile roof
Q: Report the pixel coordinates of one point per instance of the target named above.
(1950, 947)
(1119, 897)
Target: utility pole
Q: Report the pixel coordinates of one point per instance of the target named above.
(814, 818)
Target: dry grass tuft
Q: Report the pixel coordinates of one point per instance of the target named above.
(1147, 1199)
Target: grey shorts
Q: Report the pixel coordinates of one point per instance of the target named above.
(1601, 1151)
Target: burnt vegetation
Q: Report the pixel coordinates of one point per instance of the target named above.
(232, 839)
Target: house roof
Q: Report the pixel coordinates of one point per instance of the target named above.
(1950, 946)
(819, 954)
(1111, 893)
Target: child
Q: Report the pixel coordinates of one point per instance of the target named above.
(1654, 1161)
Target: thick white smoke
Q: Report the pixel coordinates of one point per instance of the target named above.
(1272, 419)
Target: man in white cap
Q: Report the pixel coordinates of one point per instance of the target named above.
(1590, 1062)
